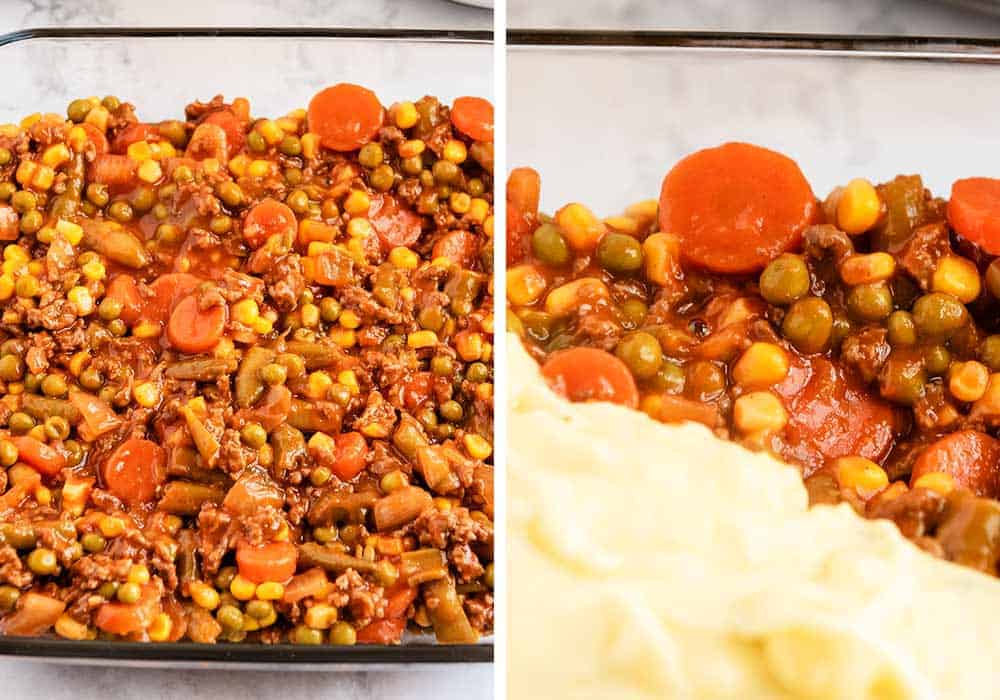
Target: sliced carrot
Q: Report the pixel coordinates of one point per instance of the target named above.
(345, 116)
(312, 583)
(458, 246)
(330, 268)
(35, 614)
(132, 134)
(736, 207)
(273, 409)
(37, 454)
(971, 457)
(250, 493)
(135, 470)
(351, 455)
(523, 192)
(974, 211)
(267, 218)
(167, 290)
(9, 223)
(388, 631)
(235, 130)
(399, 597)
(96, 137)
(192, 329)
(273, 561)
(124, 289)
(111, 169)
(394, 222)
(98, 416)
(473, 116)
(590, 374)
(417, 389)
(129, 618)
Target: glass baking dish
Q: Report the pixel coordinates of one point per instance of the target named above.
(603, 116)
(160, 71)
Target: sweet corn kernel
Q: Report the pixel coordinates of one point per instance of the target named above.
(140, 151)
(36, 268)
(405, 114)
(55, 155)
(283, 534)
(43, 494)
(310, 145)
(455, 151)
(31, 120)
(957, 276)
(160, 629)
(271, 132)
(211, 166)
(246, 311)
(477, 446)
(68, 628)
(344, 337)
(349, 379)
(661, 253)
(259, 168)
(250, 624)
(858, 208)
(16, 253)
(80, 298)
(442, 504)
(242, 588)
(376, 431)
(867, 268)
(357, 203)
(360, 228)
(270, 590)
(238, 165)
(623, 224)
(525, 284)
(149, 171)
(288, 124)
(147, 394)
(204, 596)
(566, 299)
(408, 293)
(488, 226)
(318, 384)
(760, 366)
(469, 346)
(138, 573)
(317, 248)
(321, 616)
(6, 287)
(422, 339)
(478, 209)
(146, 329)
(309, 313)
(78, 362)
(967, 380)
(349, 319)
(77, 138)
(942, 482)
(25, 172)
(404, 258)
(94, 270)
(164, 149)
(321, 446)
(263, 325)
(459, 202)
(411, 148)
(582, 229)
(860, 474)
(759, 411)
(111, 526)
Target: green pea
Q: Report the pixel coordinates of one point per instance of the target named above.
(75, 452)
(254, 435)
(107, 590)
(19, 535)
(129, 593)
(641, 353)
(8, 598)
(8, 453)
(705, 380)
(33, 383)
(56, 428)
(371, 155)
(669, 378)
(412, 165)
(230, 193)
(306, 635)
(111, 103)
(290, 145)
(902, 329)
(475, 187)
(143, 199)
(937, 359)
(220, 224)
(382, 178)
(120, 211)
(5, 156)
(110, 308)
(117, 327)
(808, 324)
(273, 373)
(902, 382)
(329, 309)
(451, 410)
(989, 352)
(477, 372)
(91, 379)
(785, 280)
(7, 190)
(256, 142)
(870, 302)
(297, 201)
(63, 207)
(20, 423)
(293, 176)
(633, 313)
(23, 201)
(259, 609)
(175, 132)
(93, 542)
(42, 561)
(323, 535)
(442, 366)
(230, 617)
(619, 253)
(445, 172)
(549, 245)
(11, 368)
(343, 634)
(54, 385)
(78, 110)
(939, 315)
(31, 221)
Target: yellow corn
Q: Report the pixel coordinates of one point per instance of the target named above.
(759, 412)
(98, 116)
(321, 446)
(566, 299)
(525, 284)
(321, 616)
(661, 253)
(242, 588)
(94, 270)
(36, 268)
(55, 155)
(957, 276)
(238, 165)
(270, 590)
(204, 596)
(140, 151)
(861, 475)
(310, 145)
(867, 268)
(422, 339)
(459, 202)
(357, 203)
(411, 148)
(164, 149)
(344, 337)
(73, 233)
(477, 446)
(147, 394)
(404, 258)
(455, 151)
(288, 124)
(478, 209)
(138, 573)
(349, 379)
(16, 253)
(760, 366)
(149, 171)
(78, 362)
(271, 132)
(967, 380)
(469, 346)
(376, 431)
(582, 229)
(211, 166)
(6, 287)
(623, 224)
(263, 325)
(259, 168)
(68, 628)
(359, 227)
(405, 114)
(43, 494)
(941, 482)
(317, 248)
(443, 504)
(246, 311)
(146, 329)
(31, 120)
(318, 384)
(111, 526)
(349, 319)
(160, 629)
(80, 298)
(77, 138)
(488, 225)
(858, 208)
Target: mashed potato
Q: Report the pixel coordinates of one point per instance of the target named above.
(655, 561)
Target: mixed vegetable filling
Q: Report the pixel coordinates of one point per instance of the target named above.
(245, 372)
(856, 337)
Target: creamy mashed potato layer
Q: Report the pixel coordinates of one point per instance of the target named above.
(656, 561)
